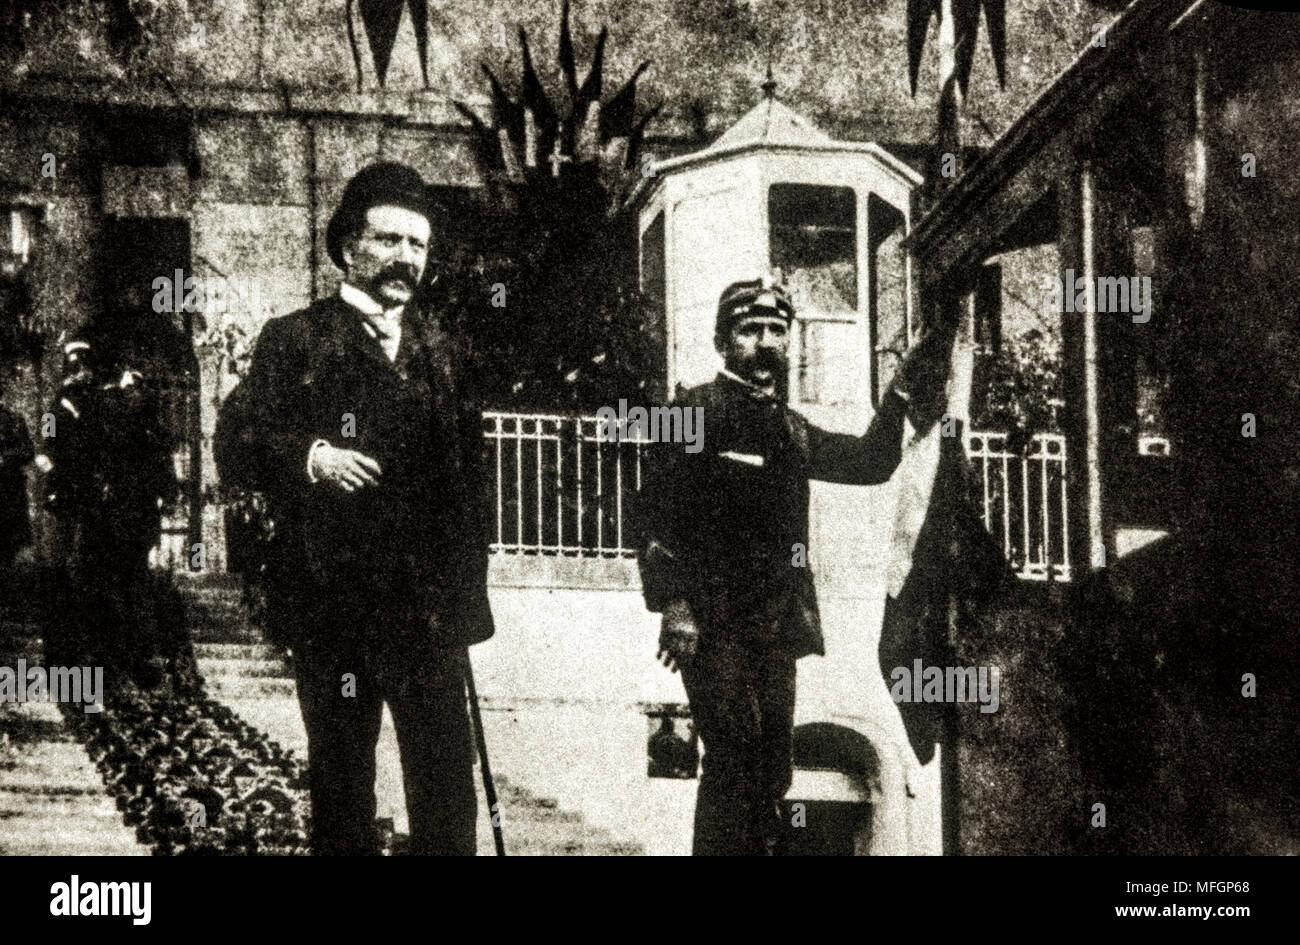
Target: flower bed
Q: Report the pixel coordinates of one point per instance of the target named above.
(195, 779)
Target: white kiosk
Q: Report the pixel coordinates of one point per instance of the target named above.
(776, 192)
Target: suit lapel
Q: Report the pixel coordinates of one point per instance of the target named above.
(424, 346)
(351, 337)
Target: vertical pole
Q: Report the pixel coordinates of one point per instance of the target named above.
(1091, 381)
(1087, 531)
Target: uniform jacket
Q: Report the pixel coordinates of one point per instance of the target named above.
(112, 456)
(417, 539)
(718, 528)
(15, 453)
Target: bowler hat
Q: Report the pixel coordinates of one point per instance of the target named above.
(741, 300)
(385, 183)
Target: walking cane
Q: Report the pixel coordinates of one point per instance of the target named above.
(488, 787)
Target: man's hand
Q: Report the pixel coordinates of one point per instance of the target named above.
(920, 379)
(679, 636)
(346, 469)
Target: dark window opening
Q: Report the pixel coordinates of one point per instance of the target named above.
(813, 241)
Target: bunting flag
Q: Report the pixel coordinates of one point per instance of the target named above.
(966, 22)
(381, 20)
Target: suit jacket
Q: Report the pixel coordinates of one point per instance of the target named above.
(718, 528)
(418, 541)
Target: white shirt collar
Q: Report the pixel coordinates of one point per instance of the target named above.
(762, 393)
(365, 304)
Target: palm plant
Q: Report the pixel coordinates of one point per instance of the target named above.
(553, 296)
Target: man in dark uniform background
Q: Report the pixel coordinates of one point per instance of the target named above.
(722, 533)
(110, 448)
(16, 454)
(355, 421)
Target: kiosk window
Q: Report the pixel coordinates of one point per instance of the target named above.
(813, 240)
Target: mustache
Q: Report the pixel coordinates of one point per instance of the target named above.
(399, 272)
(771, 360)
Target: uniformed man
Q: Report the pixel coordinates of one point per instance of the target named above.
(111, 471)
(722, 532)
(16, 454)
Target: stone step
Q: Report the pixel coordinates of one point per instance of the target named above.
(538, 826)
(531, 845)
(231, 632)
(52, 799)
(528, 808)
(39, 785)
(208, 581)
(224, 667)
(47, 805)
(38, 821)
(239, 651)
(64, 844)
(244, 688)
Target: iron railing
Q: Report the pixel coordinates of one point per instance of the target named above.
(1023, 500)
(560, 490)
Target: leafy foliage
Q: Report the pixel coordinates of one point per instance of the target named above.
(1018, 390)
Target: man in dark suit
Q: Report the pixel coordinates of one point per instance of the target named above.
(724, 541)
(355, 421)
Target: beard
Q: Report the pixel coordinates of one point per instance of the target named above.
(770, 361)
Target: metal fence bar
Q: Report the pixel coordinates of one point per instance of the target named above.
(1006, 503)
(1047, 520)
(559, 491)
(501, 535)
(519, 482)
(1065, 517)
(579, 473)
(600, 497)
(1027, 538)
(537, 431)
(618, 496)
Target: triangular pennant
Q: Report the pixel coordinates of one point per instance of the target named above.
(966, 26)
(918, 24)
(995, 16)
(420, 20)
(567, 63)
(591, 89)
(381, 19)
(535, 100)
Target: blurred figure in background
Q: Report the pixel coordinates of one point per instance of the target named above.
(112, 476)
(15, 525)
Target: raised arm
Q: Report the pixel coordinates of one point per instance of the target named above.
(865, 460)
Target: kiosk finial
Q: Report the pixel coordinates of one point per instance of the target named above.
(769, 85)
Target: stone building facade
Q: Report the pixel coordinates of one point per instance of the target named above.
(214, 139)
